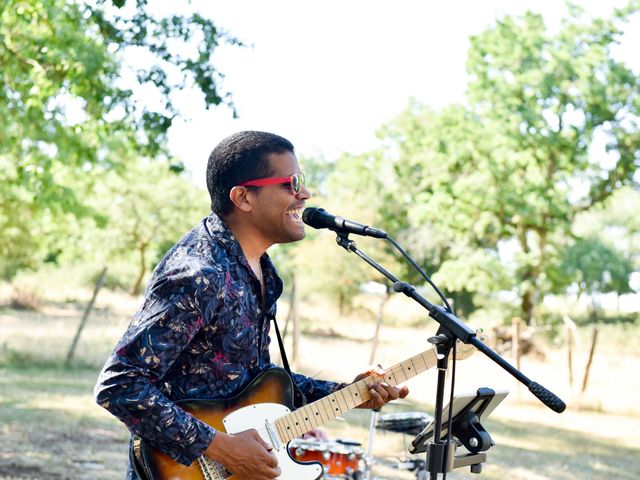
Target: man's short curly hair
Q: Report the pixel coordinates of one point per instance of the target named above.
(240, 157)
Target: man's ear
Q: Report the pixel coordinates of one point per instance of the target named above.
(241, 198)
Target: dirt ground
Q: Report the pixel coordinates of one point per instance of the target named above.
(50, 428)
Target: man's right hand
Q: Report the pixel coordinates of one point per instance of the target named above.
(245, 455)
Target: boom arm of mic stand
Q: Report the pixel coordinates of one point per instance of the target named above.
(449, 321)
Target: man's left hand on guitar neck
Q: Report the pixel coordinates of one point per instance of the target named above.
(381, 392)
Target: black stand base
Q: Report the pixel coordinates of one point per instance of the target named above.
(436, 464)
(473, 460)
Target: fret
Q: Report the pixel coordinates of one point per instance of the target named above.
(300, 422)
(314, 416)
(416, 369)
(315, 420)
(430, 358)
(304, 418)
(322, 409)
(398, 373)
(295, 426)
(280, 428)
(390, 377)
(315, 413)
(299, 425)
(407, 369)
(355, 398)
(289, 427)
(354, 393)
(334, 405)
(342, 404)
(363, 389)
(420, 363)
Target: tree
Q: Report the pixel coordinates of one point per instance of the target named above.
(68, 112)
(501, 172)
(595, 267)
(147, 207)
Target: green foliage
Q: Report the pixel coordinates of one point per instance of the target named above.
(500, 173)
(147, 208)
(71, 111)
(595, 267)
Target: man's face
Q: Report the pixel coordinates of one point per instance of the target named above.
(278, 211)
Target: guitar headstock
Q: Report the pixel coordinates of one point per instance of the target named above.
(464, 350)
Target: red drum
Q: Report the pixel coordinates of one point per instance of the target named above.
(339, 460)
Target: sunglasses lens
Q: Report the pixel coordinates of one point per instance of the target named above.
(297, 182)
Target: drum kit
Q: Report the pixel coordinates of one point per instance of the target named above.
(340, 459)
(346, 459)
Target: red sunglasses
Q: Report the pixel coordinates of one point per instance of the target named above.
(296, 182)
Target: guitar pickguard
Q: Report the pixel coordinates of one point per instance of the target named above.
(257, 416)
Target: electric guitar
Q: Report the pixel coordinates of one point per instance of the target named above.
(266, 405)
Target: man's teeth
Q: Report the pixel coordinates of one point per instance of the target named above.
(295, 213)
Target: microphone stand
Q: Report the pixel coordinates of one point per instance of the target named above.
(439, 452)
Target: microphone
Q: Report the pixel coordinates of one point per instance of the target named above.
(320, 218)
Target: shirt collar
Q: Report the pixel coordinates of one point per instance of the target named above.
(220, 232)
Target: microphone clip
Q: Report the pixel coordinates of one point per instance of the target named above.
(342, 239)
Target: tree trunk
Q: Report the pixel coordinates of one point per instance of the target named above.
(527, 305)
(142, 249)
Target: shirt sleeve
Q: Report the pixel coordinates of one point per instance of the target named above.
(128, 384)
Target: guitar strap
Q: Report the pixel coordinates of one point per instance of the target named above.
(136, 460)
(299, 399)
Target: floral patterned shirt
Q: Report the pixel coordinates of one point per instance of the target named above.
(202, 332)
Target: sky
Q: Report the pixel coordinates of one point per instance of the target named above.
(326, 75)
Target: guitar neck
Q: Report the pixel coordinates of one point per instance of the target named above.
(327, 408)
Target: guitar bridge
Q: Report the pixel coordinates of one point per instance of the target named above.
(273, 435)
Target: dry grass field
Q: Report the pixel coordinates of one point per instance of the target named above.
(51, 428)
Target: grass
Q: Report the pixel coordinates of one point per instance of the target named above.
(50, 427)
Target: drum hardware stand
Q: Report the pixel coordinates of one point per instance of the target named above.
(451, 328)
(375, 413)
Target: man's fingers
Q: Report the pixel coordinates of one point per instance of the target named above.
(379, 394)
(272, 462)
(256, 435)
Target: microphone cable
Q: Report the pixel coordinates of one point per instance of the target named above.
(421, 271)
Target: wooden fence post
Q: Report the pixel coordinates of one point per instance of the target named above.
(594, 339)
(516, 330)
(569, 336)
(85, 317)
